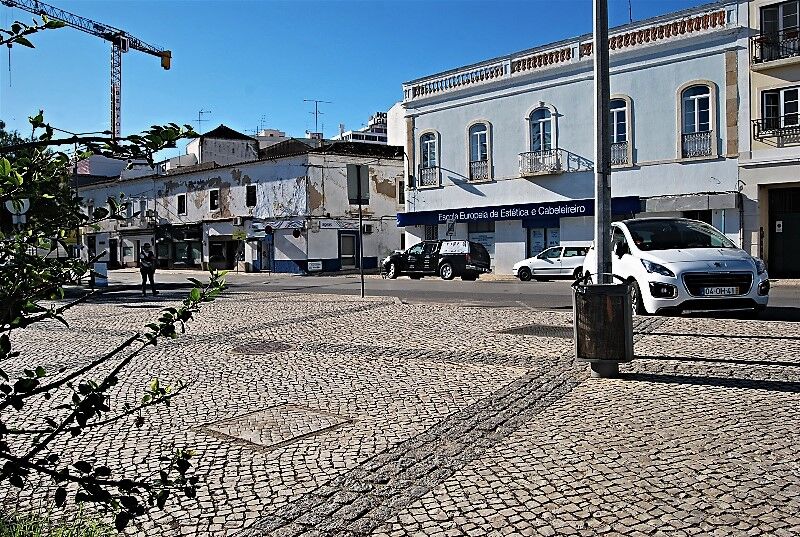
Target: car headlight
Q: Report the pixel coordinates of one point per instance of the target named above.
(651, 267)
(761, 267)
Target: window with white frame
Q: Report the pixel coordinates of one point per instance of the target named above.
(619, 131)
(780, 108)
(479, 152)
(427, 144)
(696, 135)
(779, 18)
(541, 124)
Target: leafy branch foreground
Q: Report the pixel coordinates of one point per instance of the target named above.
(43, 412)
(77, 525)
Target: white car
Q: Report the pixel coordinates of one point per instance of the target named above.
(676, 264)
(555, 262)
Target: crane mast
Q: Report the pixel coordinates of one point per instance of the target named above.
(120, 40)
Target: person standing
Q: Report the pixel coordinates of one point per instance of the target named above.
(147, 266)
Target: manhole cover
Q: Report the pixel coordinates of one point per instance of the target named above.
(261, 347)
(540, 330)
(277, 426)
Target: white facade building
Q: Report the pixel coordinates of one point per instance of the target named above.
(501, 152)
(288, 211)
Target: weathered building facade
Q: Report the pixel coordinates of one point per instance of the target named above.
(285, 211)
(501, 151)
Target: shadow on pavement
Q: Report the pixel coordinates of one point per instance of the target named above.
(777, 313)
(749, 384)
(726, 336)
(720, 360)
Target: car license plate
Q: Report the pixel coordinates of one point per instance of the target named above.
(719, 291)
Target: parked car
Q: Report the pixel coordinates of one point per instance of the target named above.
(677, 264)
(555, 262)
(447, 259)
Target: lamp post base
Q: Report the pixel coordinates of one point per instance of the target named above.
(604, 369)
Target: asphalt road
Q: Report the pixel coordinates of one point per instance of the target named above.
(551, 295)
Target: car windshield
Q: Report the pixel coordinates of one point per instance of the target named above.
(672, 234)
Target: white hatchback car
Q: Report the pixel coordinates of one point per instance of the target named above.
(676, 264)
(555, 262)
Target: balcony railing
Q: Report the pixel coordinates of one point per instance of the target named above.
(545, 162)
(619, 154)
(697, 144)
(479, 170)
(775, 46)
(776, 127)
(428, 177)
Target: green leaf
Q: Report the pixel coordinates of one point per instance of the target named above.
(5, 166)
(40, 372)
(194, 294)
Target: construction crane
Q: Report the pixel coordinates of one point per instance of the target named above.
(120, 40)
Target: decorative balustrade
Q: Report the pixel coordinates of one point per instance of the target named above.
(479, 170)
(565, 53)
(428, 177)
(697, 144)
(619, 153)
(541, 162)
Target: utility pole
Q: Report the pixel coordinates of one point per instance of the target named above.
(360, 231)
(316, 110)
(602, 146)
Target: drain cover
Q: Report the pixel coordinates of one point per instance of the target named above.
(261, 347)
(540, 330)
(276, 426)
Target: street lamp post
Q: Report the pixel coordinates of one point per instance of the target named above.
(602, 146)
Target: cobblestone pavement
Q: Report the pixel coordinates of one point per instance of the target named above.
(330, 415)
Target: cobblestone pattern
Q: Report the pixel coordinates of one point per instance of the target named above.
(453, 427)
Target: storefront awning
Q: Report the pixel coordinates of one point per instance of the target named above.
(532, 214)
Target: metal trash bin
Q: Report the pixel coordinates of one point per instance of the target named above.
(603, 325)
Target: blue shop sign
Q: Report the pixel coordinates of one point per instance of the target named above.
(531, 214)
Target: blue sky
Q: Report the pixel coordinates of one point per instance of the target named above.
(248, 60)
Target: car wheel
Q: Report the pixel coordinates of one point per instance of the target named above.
(524, 274)
(446, 271)
(577, 273)
(391, 271)
(637, 306)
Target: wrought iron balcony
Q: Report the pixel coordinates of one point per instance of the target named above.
(697, 144)
(428, 177)
(775, 46)
(776, 127)
(619, 154)
(479, 170)
(545, 162)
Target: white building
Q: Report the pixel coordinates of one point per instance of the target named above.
(286, 210)
(501, 151)
(373, 133)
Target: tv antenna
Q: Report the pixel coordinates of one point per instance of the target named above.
(200, 119)
(316, 110)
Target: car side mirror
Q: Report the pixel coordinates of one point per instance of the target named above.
(621, 249)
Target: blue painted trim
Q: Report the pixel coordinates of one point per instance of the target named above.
(524, 212)
(289, 266)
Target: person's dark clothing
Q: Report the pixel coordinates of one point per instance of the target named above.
(147, 266)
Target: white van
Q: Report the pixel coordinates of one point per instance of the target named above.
(676, 264)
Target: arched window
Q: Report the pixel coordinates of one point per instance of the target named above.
(427, 145)
(619, 121)
(479, 152)
(696, 122)
(541, 123)
(696, 109)
(478, 143)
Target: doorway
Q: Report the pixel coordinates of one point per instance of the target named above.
(113, 253)
(348, 251)
(784, 232)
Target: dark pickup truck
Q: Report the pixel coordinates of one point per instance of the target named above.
(443, 258)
